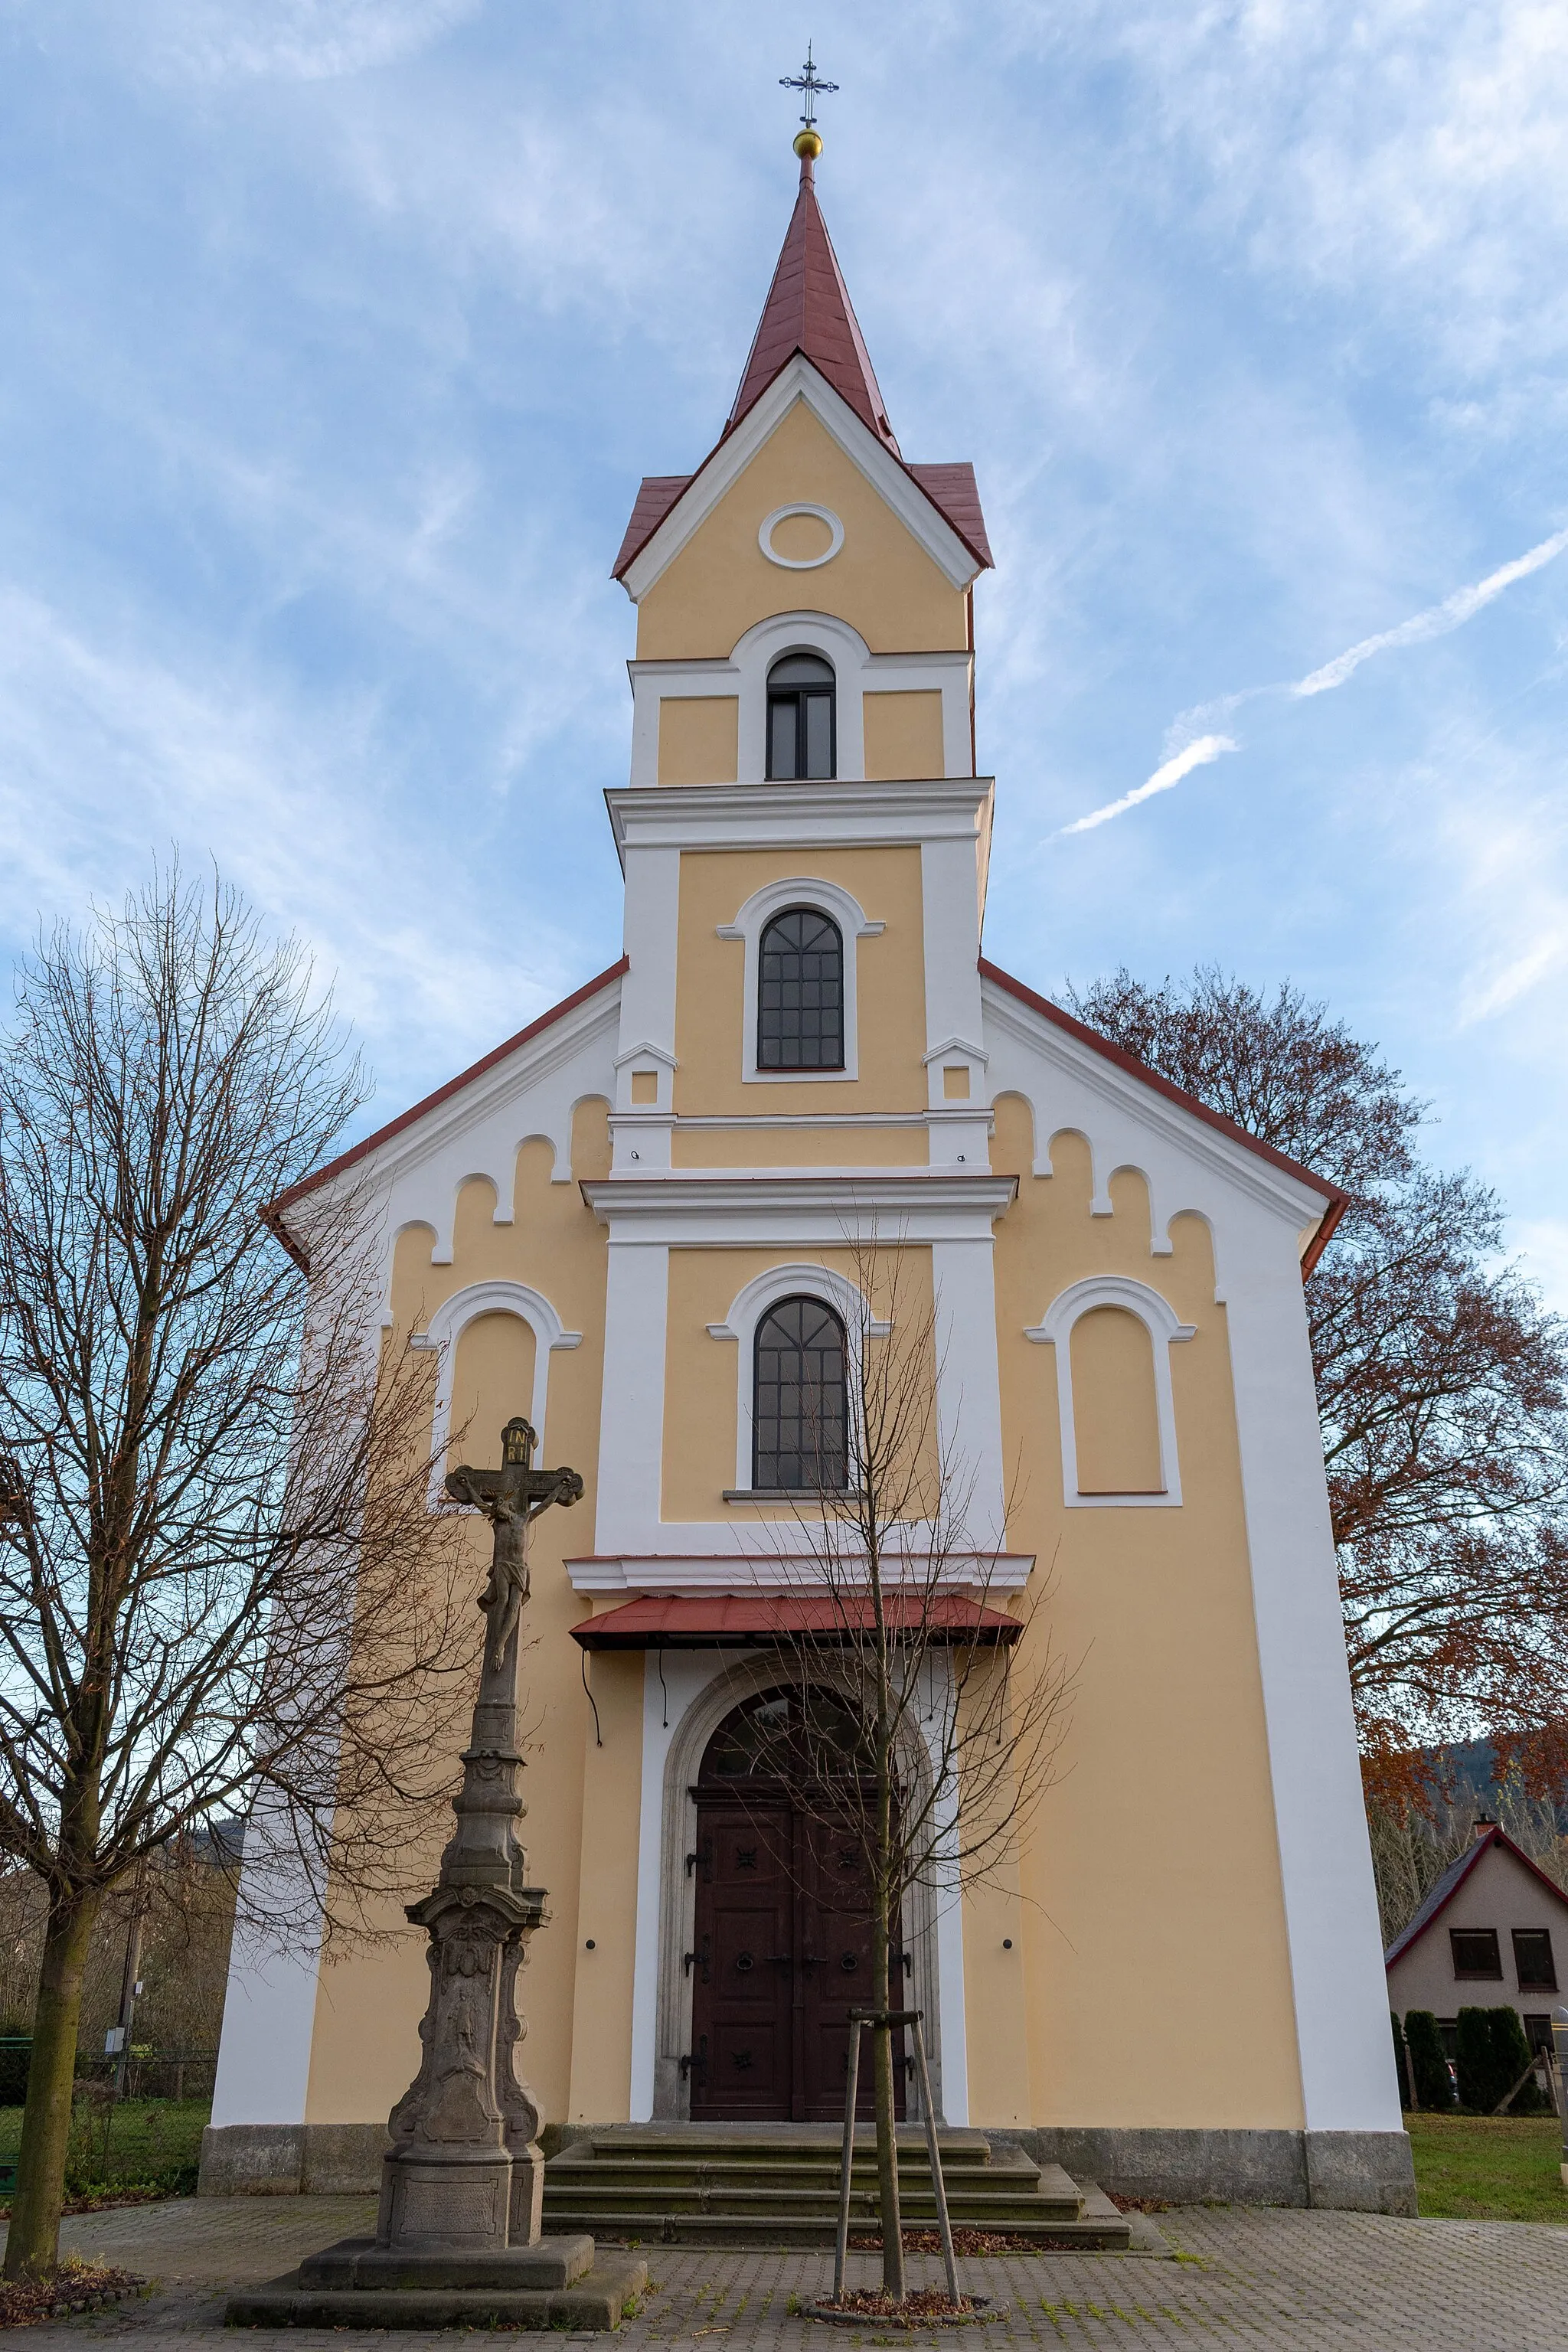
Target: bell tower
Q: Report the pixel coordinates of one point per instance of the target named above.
(805, 842)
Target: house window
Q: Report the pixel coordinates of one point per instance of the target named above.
(1476, 1952)
(1533, 1959)
(799, 1413)
(800, 993)
(801, 717)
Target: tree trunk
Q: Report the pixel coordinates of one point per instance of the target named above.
(31, 2245)
(882, 2085)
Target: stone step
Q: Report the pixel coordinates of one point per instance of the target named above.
(602, 2177)
(744, 2186)
(783, 2230)
(989, 2213)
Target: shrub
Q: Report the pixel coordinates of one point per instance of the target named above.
(1401, 2060)
(1491, 2054)
(1433, 2083)
(16, 2057)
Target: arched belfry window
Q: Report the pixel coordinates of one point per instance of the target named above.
(800, 993)
(800, 1400)
(800, 717)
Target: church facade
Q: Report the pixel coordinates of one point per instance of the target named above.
(641, 1222)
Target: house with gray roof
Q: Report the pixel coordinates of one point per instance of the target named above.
(1491, 1934)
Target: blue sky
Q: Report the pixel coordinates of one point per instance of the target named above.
(339, 331)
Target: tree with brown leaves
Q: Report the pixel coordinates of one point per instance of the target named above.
(221, 1586)
(1442, 1380)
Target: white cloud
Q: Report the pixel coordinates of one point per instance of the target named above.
(1542, 1245)
(288, 40)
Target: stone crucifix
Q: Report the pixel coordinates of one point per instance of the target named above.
(511, 1499)
(463, 2178)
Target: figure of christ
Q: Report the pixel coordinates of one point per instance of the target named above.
(511, 1499)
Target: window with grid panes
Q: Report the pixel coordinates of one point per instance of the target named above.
(799, 1403)
(800, 993)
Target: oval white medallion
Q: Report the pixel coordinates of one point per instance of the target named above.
(824, 515)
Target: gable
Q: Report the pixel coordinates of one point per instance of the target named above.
(1484, 1888)
(1139, 1100)
(882, 581)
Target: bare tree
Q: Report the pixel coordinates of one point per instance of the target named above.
(221, 1586)
(930, 1718)
(1442, 1383)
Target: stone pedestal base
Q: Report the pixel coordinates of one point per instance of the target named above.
(548, 2263)
(463, 2201)
(555, 2284)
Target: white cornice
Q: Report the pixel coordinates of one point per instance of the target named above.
(1294, 1196)
(761, 1572)
(739, 1208)
(800, 381)
(797, 815)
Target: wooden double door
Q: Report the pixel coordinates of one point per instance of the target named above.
(781, 1952)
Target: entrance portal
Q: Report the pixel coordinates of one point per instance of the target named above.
(782, 1946)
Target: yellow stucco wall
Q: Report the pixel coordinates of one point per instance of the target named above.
(366, 2047)
(800, 1146)
(903, 735)
(698, 735)
(881, 582)
(710, 1006)
(600, 2087)
(1149, 1883)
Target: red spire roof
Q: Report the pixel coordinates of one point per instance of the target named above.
(808, 310)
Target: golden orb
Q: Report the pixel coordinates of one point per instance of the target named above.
(808, 143)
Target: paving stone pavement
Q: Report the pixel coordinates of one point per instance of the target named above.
(1255, 2280)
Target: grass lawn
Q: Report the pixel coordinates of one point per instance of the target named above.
(150, 2142)
(1488, 2168)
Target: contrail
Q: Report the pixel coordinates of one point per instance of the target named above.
(1435, 622)
(1196, 755)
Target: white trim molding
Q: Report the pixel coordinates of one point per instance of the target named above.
(754, 1300)
(769, 523)
(696, 1693)
(751, 921)
(452, 1319)
(1164, 1327)
(778, 1557)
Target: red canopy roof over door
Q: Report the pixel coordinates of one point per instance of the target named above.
(731, 1620)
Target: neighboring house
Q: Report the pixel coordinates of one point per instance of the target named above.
(637, 1219)
(1492, 1934)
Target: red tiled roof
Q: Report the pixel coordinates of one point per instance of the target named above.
(721, 1620)
(657, 494)
(1336, 1197)
(808, 310)
(954, 491)
(273, 1211)
(1440, 1896)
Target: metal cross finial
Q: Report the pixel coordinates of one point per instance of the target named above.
(806, 81)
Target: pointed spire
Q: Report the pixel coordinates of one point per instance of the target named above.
(808, 311)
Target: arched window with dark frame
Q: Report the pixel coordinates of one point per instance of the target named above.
(801, 718)
(800, 993)
(800, 1400)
